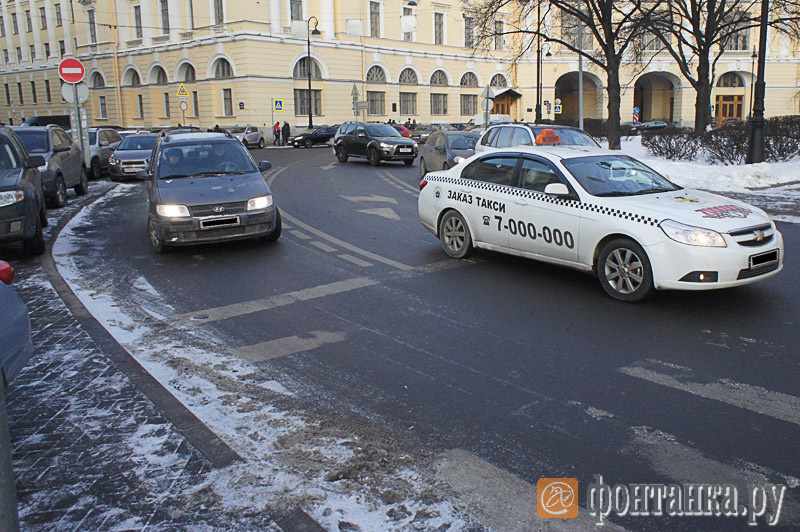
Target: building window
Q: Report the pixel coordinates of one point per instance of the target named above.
(438, 104)
(195, 104)
(14, 23)
(131, 78)
(97, 81)
(57, 8)
(166, 105)
(439, 79)
(46, 50)
(8, 95)
(469, 104)
(469, 32)
(498, 80)
(408, 77)
(34, 96)
(296, 9)
(92, 27)
(223, 69)
(164, 16)
(227, 102)
(376, 103)
(569, 29)
(43, 18)
(438, 28)
(103, 110)
(739, 40)
(140, 105)
(376, 75)
(19, 91)
(32, 49)
(469, 80)
(219, 16)
(301, 69)
(62, 48)
(374, 19)
(408, 103)
(730, 79)
(408, 36)
(137, 21)
(28, 21)
(301, 102)
(2, 27)
(188, 73)
(498, 35)
(19, 54)
(48, 98)
(61, 91)
(159, 75)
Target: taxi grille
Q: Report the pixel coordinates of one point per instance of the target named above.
(758, 235)
(237, 207)
(749, 273)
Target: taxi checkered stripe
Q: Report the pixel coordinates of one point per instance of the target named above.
(530, 194)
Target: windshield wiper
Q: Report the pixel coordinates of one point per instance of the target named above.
(614, 193)
(176, 176)
(654, 191)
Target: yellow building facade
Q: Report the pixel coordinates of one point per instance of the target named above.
(407, 60)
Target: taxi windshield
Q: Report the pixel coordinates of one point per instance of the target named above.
(620, 175)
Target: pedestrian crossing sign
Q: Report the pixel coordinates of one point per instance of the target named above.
(182, 90)
(277, 105)
(557, 109)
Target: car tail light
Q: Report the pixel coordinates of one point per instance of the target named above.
(6, 272)
(422, 184)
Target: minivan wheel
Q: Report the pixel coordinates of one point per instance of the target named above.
(276, 232)
(156, 243)
(83, 187)
(624, 271)
(60, 197)
(95, 169)
(454, 234)
(35, 244)
(374, 157)
(341, 155)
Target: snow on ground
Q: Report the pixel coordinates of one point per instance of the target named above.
(338, 471)
(718, 178)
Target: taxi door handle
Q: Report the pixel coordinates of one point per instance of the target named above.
(466, 191)
(520, 201)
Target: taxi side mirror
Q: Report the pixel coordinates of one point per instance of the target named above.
(556, 189)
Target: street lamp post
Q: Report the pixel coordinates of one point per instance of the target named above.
(752, 75)
(538, 63)
(755, 151)
(309, 33)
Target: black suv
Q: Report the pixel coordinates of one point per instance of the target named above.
(206, 187)
(22, 209)
(374, 142)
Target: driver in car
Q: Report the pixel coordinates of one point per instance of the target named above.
(173, 165)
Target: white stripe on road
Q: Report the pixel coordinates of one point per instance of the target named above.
(299, 234)
(355, 260)
(754, 398)
(281, 300)
(323, 246)
(290, 345)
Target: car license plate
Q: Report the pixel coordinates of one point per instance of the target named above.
(763, 258)
(219, 222)
(404, 150)
(132, 169)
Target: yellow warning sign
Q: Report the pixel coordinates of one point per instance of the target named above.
(182, 90)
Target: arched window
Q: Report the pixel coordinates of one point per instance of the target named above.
(223, 69)
(730, 79)
(158, 76)
(408, 77)
(131, 78)
(301, 69)
(187, 73)
(439, 78)
(97, 81)
(469, 80)
(498, 80)
(376, 75)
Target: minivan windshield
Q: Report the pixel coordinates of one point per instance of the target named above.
(382, 130)
(137, 143)
(201, 159)
(616, 175)
(34, 141)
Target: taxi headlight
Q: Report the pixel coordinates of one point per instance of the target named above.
(10, 198)
(694, 236)
(261, 202)
(172, 211)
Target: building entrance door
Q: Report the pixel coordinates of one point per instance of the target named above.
(729, 106)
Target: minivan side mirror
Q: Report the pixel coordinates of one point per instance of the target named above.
(362, 134)
(556, 189)
(143, 175)
(61, 147)
(263, 166)
(34, 161)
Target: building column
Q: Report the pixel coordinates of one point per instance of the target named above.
(327, 17)
(275, 17)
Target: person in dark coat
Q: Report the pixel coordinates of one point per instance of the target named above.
(285, 132)
(217, 129)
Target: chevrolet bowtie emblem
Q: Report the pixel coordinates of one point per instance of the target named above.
(758, 235)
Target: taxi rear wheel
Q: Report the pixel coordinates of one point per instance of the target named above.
(454, 234)
(624, 271)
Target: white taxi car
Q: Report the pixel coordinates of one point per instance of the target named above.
(599, 211)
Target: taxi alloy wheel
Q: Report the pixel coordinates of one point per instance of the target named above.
(454, 234)
(624, 271)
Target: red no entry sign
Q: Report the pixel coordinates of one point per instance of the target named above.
(71, 70)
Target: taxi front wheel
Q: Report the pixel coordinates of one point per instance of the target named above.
(454, 234)
(624, 271)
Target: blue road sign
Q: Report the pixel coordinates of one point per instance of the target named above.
(636, 110)
(278, 105)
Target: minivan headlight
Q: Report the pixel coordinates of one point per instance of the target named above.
(172, 211)
(694, 236)
(12, 197)
(114, 161)
(261, 202)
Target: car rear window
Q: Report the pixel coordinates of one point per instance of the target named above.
(34, 141)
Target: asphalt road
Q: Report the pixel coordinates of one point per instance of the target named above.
(528, 366)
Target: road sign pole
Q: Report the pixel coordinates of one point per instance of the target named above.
(80, 125)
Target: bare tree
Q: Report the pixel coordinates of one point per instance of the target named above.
(696, 33)
(611, 27)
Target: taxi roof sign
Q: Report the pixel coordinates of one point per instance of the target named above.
(182, 90)
(548, 136)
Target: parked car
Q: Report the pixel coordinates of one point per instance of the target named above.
(22, 203)
(250, 136)
(16, 347)
(322, 135)
(601, 212)
(125, 133)
(731, 122)
(402, 130)
(63, 166)
(522, 134)
(61, 121)
(446, 149)
(102, 143)
(131, 156)
(375, 142)
(421, 133)
(655, 125)
(206, 187)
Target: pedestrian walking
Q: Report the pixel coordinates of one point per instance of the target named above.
(285, 131)
(217, 129)
(276, 131)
